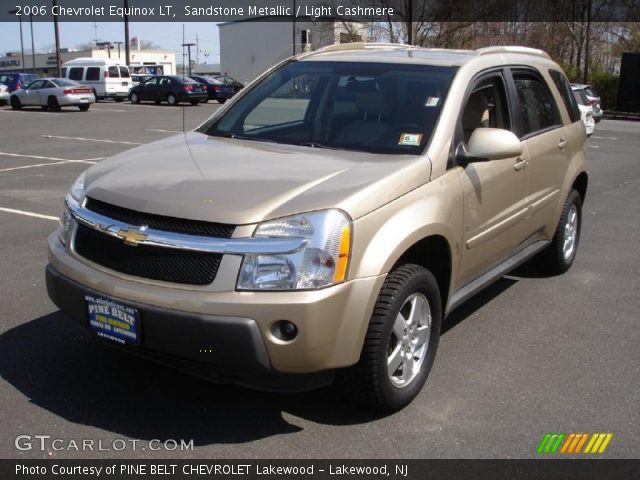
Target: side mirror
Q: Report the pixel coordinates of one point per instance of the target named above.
(493, 144)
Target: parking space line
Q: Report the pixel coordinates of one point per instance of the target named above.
(163, 131)
(605, 138)
(28, 214)
(30, 111)
(45, 165)
(593, 146)
(59, 160)
(91, 139)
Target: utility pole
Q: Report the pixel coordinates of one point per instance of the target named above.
(410, 29)
(57, 32)
(197, 50)
(189, 45)
(293, 40)
(127, 43)
(13, 12)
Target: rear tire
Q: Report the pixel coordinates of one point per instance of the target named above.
(400, 344)
(134, 98)
(558, 257)
(52, 104)
(171, 99)
(83, 108)
(15, 102)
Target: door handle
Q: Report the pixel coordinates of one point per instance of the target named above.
(521, 164)
(562, 144)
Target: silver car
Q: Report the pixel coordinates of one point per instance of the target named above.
(52, 94)
(4, 94)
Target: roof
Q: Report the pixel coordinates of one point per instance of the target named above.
(399, 53)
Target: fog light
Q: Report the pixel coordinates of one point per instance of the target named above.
(284, 330)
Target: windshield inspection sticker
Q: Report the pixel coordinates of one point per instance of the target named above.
(411, 139)
(432, 102)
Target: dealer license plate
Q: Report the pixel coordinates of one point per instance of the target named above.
(113, 320)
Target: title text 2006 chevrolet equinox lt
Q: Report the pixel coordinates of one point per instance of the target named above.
(322, 224)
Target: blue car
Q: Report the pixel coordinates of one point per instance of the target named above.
(17, 81)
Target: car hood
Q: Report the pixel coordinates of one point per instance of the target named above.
(234, 181)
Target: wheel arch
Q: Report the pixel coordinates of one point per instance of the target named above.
(433, 253)
(580, 184)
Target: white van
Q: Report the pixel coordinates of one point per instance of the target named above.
(109, 78)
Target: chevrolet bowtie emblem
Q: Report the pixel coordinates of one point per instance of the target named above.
(132, 237)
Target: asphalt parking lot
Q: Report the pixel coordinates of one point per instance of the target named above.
(530, 355)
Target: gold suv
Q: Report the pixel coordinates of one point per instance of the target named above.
(321, 224)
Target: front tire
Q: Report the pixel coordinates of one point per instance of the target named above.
(52, 104)
(15, 103)
(558, 257)
(400, 344)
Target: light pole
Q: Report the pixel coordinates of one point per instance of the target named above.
(127, 41)
(13, 12)
(189, 45)
(33, 48)
(118, 43)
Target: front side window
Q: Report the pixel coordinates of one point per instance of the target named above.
(75, 73)
(374, 107)
(538, 110)
(486, 107)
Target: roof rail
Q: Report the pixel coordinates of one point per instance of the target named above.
(512, 49)
(359, 46)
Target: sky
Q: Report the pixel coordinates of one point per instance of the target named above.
(166, 35)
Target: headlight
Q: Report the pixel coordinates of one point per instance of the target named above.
(321, 263)
(77, 193)
(77, 189)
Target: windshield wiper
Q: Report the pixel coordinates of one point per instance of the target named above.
(242, 137)
(314, 145)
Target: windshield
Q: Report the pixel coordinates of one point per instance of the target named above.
(374, 107)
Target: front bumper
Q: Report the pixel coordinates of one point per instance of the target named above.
(179, 323)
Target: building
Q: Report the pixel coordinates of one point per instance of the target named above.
(248, 48)
(206, 69)
(45, 63)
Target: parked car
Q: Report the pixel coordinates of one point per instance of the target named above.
(594, 100)
(52, 94)
(292, 241)
(4, 94)
(109, 78)
(227, 80)
(215, 89)
(16, 81)
(586, 110)
(170, 88)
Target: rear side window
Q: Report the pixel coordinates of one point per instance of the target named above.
(76, 73)
(538, 110)
(113, 72)
(93, 73)
(564, 87)
(124, 72)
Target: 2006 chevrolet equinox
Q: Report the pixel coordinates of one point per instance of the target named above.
(322, 224)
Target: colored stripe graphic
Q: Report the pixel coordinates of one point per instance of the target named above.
(598, 443)
(573, 443)
(551, 442)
